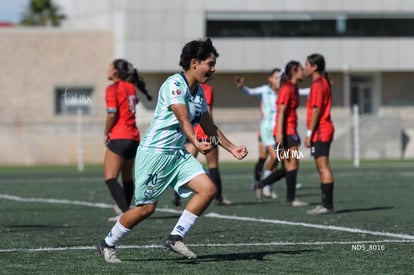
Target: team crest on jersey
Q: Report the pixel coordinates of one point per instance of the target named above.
(176, 92)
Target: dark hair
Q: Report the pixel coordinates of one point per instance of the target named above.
(196, 49)
(127, 72)
(319, 61)
(275, 70)
(290, 68)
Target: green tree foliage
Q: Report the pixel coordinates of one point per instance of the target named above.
(42, 13)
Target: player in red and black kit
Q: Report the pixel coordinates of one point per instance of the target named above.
(285, 130)
(211, 156)
(121, 135)
(320, 128)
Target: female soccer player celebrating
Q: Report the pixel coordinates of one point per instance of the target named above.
(212, 157)
(285, 130)
(121, 135)
(162, 160)
(320, 128)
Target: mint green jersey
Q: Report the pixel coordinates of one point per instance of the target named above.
(267, 105)
(165, 134)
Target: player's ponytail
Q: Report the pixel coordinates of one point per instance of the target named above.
(319, 61)
(287, 73)
(127, 72)
(140, 83)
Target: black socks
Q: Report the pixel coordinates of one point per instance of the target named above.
(129, 191)
(118, 194)
(327, 195)
(272, 178)
(215, 177)
(258, 169)
(291, 177)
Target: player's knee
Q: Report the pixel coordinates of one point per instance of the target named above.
(210, 190)
(148, 209)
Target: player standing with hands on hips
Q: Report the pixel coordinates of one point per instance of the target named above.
(162, 160)
(320, 131)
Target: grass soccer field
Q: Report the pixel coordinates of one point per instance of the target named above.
(52, 217)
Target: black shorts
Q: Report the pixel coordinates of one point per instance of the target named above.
(290, 141)
(125, 148)
(319, 149)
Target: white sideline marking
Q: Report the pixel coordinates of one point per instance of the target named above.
(219, 216)
(318, 226)
(153, 246)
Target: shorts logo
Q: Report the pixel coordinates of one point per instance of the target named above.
(151, 182)
(149, 192)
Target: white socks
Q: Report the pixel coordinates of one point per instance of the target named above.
(116, 234)
(266, 173)
(184, 224)
(269, 187)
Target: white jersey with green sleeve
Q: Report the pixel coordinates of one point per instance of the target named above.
(165, 135)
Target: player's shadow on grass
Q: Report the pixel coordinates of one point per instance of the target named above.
(257, 256)
(245, 256)
(344, 211)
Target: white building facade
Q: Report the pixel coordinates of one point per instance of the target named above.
(368, 46)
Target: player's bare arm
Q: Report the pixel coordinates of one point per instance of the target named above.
(111, 119)
(316, 111)
(280, 122)
(180, 111)
(239, 152)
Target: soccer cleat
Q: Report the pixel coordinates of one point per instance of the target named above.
(296, 203)
(320, 210)
(259, 194)
(299, 186)
(223, 202)
(266, 191)
(107, 252)
(175, 243)
(273, 195)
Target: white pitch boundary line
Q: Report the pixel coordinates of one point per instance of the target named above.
(219, 216)
(153, 246)
(318, 226)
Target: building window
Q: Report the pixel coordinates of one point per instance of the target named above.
(251, 24)
(68, 100)
(362, 93)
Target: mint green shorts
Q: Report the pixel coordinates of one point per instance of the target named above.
(267, 136)
(154, 173)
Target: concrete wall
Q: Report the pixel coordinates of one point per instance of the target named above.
(35, 62)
